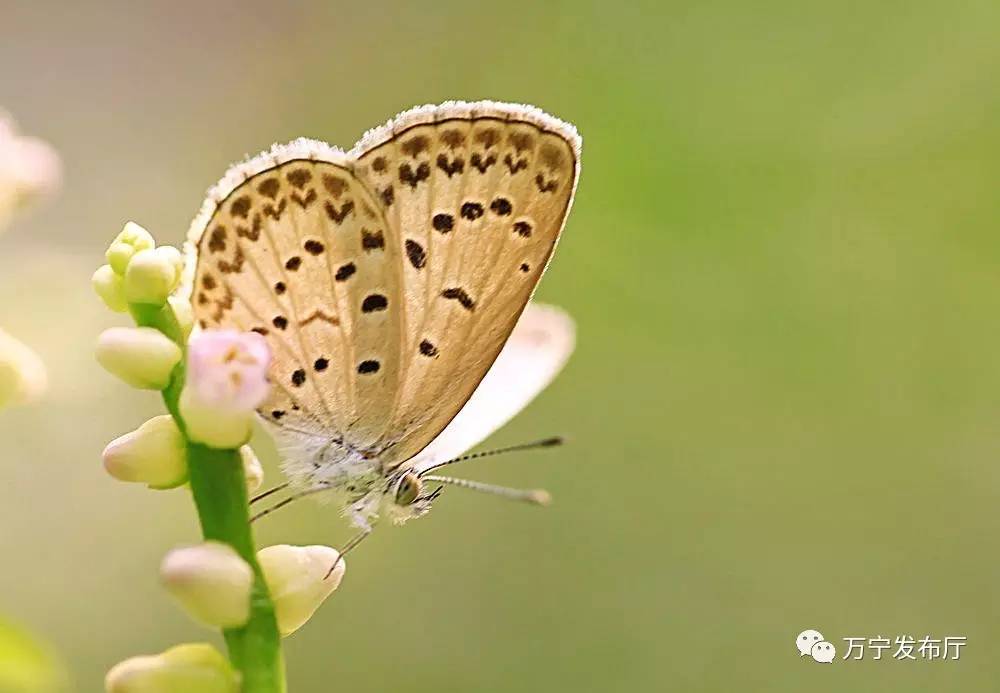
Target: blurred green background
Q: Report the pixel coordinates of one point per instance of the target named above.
(785, 265)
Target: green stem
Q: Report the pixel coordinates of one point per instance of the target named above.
(220, 495)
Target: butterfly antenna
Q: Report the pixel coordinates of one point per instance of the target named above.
(546, 443)
(535, 496)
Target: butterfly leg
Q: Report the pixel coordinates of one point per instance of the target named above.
(281, 504)
(269, 492)
(357, 539)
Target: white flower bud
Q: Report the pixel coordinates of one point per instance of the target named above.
(152, 275)
(192, 668)
(22, 373)
(211, 582)
(184, 314)
(108, 286)
(131, 240)
(297, 579)
(154, 454)
(141, 356)
(252, 470)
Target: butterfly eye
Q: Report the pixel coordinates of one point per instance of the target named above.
(408, 490)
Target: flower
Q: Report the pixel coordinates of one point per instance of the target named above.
(29, 169)
(297, 579)
(132, 239)
(252, 470)
(153, 454)
(211, 582)
(141, 356)
(226, 381)
(22, 373)
(151, 275)
(192, 668)
(108, 286)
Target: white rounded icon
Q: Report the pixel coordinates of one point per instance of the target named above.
(806, 640)
(823, 652)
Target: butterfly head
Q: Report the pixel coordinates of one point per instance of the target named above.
(408, 489)
(405, 497)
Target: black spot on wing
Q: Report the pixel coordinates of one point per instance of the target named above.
(368, 367)
(415, 252)
(459, 294)
(443, 222)
(372, 240)
(373, 303)
(313, 247)
(472, 211)
(344, 272)
(501, 206)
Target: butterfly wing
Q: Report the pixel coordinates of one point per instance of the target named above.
(388, 279)
(477, 195)
(292, 246)
(533, 355)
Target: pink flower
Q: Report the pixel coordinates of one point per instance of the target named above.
(226, 381)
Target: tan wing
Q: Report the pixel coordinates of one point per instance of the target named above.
(477, 195)
(292, 246)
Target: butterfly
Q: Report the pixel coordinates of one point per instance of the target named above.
(392, 284)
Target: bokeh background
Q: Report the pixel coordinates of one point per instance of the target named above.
(784, 261)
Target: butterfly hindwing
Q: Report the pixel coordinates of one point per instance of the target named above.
(533, 355)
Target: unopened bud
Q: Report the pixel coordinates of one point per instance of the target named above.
(152, 275)
(299, 580)
(192, 668)
(252, 470)
(211, 582)
(141, 356)
(108, 286)
(153, 454)
(131, 240)
(183, 313)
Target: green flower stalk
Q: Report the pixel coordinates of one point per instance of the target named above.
(210, 388)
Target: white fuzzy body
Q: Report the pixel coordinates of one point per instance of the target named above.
(358, 483)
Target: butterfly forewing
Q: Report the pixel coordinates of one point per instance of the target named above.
(479, 195)
(300, 253)
(386, 280)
